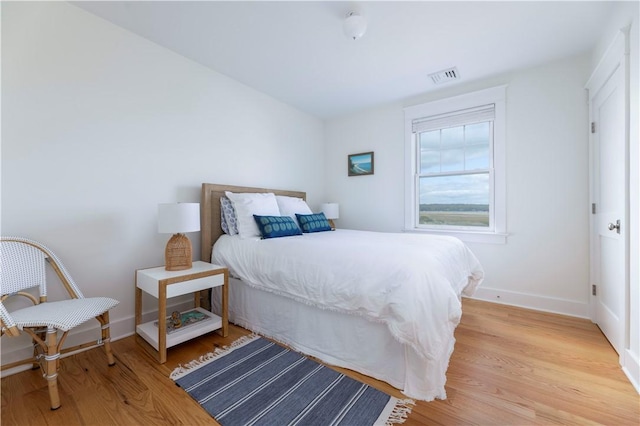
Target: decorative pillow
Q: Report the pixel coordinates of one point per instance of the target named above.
(248, 204)
(313, 222)
(276, 226)
(228, 217)
(223, 223)
(289, 206)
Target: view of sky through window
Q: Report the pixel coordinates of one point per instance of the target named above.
(447, 156)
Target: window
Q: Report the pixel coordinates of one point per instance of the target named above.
(455, 166)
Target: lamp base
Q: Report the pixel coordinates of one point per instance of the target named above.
(177, 254)
(331, 224)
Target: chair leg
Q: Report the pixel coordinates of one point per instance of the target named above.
(51, 367)
(38, 350)
(106, 337)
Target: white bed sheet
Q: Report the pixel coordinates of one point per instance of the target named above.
(392, 320)
(343, 340)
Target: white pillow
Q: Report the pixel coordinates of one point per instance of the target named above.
(248, 204)
(289, 206)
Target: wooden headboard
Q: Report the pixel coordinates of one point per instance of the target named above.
(210, 229)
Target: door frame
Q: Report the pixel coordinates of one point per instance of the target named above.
(616, 56)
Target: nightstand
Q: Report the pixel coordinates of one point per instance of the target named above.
(162, 285)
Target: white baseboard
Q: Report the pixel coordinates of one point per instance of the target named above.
(532, 301)
(631, 367)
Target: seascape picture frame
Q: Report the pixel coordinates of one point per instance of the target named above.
(360, 164)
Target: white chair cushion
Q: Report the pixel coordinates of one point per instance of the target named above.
(63, 315)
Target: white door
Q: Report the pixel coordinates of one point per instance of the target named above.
(609, 194)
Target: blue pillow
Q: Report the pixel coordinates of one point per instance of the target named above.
(313, 222)
(276, 226)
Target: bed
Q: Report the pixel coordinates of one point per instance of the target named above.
(385, 305)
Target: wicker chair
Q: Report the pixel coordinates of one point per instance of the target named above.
(22, 266)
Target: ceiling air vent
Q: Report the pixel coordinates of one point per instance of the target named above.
(445, 76)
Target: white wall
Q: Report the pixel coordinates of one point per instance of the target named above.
(372, 202)
(628, 13)
(545, 263)
(100, 125)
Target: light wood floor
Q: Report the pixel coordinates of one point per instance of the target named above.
(510, 366)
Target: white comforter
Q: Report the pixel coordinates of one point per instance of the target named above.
(412, 283)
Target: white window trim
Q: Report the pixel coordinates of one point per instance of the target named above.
(495, 95)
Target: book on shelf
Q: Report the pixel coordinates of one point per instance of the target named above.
(180, 320)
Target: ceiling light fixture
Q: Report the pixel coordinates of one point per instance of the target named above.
(354, 25)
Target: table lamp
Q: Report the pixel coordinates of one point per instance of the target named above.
(331, 211)
(176, 219)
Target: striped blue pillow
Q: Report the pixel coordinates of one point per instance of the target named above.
(276, 226)
(313, 222)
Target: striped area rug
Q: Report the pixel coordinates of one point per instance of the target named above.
(258, 382)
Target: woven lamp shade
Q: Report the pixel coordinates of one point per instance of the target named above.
(178, 218)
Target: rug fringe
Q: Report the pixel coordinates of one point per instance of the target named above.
(400, 412)
(205, 359)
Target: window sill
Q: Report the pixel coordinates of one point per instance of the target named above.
(466, 236)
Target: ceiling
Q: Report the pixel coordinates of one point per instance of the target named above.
(296, 51)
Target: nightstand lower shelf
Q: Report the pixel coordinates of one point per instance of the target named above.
(149, 330)
(163, 284)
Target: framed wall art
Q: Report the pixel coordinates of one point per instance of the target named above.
(360, 164)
